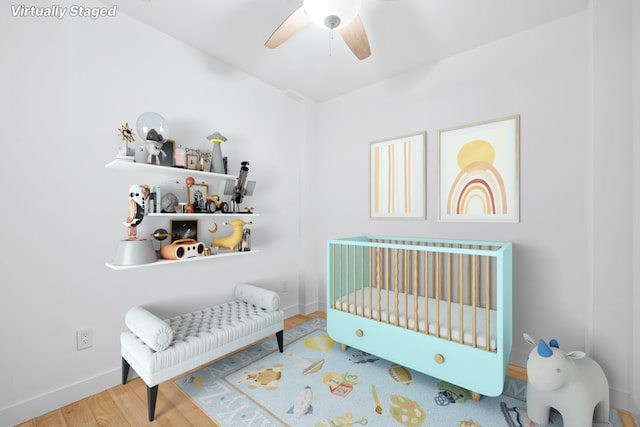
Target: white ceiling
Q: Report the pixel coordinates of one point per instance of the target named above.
(403, 34)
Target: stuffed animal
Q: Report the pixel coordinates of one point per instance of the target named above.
(572, 383)
(231, 241)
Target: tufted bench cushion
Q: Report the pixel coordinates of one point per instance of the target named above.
(199, 337)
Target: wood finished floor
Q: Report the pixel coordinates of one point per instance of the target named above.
(126, 405)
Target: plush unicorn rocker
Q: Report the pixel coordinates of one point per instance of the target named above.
(572, 383)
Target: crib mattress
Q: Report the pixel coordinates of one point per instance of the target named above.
(355, 304)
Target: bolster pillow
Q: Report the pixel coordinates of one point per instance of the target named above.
(153, 331)
(262, 298)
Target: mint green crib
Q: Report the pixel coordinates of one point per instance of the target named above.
(441, 307)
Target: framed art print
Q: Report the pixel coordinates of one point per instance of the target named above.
(397, 177)
(184, 229)
(479, 171)
(197, 196)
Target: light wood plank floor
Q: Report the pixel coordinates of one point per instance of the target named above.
(126, 405)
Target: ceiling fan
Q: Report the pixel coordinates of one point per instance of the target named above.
(341, 15)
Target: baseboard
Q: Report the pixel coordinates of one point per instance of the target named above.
(291, 311)
(55, 399)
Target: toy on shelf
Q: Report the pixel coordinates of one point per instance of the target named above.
(572, 383)
(213, 204)
(138, 194)
(182, 249)
(231, 241)
(134, 250)
(160, 234)
(126, 152)
(240, 188)
(155, 130)
(217, 163)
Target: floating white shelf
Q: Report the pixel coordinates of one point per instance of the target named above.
(181, 261)
(202, 215)
(166, 170)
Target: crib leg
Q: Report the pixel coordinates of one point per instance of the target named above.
(475, 396)
(344, 347)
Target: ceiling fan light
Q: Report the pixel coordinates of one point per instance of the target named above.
(323, 13)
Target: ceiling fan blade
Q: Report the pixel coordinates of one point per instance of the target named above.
(355, 37)
(294, 22)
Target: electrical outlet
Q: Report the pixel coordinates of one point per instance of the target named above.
(84, 338)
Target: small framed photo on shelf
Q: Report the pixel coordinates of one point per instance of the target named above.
(197, 196)
(193, 161)
(205, 160)
(184, 229)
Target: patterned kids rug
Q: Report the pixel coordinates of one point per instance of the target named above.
(315, 383)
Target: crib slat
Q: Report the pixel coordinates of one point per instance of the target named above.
(362, 279)
(340, 279)
(396, 262)
(405, 288)
(487, 303)
(449, 284)
(387, 280)
(469, 280)
(334, 266)
(474, 338)
(370, 283)
(460, 298)
(437, 285)
(416, 320)
(378, 283)
(426, 292)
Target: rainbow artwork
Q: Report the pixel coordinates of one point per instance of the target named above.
(397, 177)
(478, 178)
(479, 187)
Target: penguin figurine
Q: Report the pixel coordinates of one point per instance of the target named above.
(137, 195)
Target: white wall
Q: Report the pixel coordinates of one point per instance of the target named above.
(610, 176)
(71, 83)
(636, 191)
(572, 246)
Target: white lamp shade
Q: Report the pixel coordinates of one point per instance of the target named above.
(151, 120)
(319, 10)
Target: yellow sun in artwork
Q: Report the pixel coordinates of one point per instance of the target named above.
(477, 150)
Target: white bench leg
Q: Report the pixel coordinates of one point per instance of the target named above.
(280, 338)
(152, 392)
(152, 395)
(125, 371)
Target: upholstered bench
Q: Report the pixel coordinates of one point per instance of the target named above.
(159, 350)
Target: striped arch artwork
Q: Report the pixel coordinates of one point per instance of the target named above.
(397, 177)
(479, 172)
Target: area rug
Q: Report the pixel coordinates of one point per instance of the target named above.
(317, 384)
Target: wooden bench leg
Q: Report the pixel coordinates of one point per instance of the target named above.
(125, 371)
(152, 395)
(280, 338)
